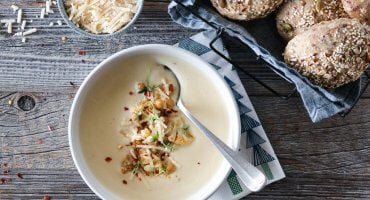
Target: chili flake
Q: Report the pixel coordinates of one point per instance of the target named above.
(72, 84)
(108, 159)
(20, 175)
(82, 53)
(147, 94)
(171, 88)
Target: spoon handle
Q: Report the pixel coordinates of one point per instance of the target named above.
(252, 178)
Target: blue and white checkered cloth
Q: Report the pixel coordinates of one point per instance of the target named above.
(254, 144)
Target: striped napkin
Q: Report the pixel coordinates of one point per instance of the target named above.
(254, 144)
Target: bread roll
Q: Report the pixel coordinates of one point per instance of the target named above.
(331, 53)
(359, 9)
(245, 9)
(295, 16)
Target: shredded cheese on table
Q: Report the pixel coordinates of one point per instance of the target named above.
(14, 7)
(47, 6)
(10, 27)
(23, 26)
(20, 24)
(101, 16)
(42, 15)
(6, 21)
(30, 31)
(19, 16)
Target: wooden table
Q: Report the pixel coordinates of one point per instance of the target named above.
(330, 159)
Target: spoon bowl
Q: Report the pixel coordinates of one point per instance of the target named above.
(252, 178)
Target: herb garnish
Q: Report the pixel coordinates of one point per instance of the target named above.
(169, 146)
(136, 169)
(155, 136)
(184, 129)
(162, 170)
(148, 86)
(153, 117)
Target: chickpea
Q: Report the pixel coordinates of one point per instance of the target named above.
(158, 104)
(140, 86)
(170, 168)
(136, 142)
(169, 103)
(145, 132)
(127, 165)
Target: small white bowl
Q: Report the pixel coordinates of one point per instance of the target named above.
(63, 12)
(93, 113)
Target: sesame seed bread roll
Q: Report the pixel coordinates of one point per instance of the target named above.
(295, 16)
(359, 9)
(331, 53)
(245, 9)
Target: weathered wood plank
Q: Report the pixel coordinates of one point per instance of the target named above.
(330, 159)
(21, 130)
(36, 138)
(318, 159)
(64, 184)
(56, 63)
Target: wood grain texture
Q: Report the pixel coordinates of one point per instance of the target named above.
(326, 160)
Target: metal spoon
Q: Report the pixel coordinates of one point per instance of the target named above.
(252, 178)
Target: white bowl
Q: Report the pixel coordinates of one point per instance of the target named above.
(96, 115)
(63, 13)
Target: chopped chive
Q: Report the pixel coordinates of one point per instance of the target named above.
(169, 146)
(155, 136)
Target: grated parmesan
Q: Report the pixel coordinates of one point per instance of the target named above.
(23, 26)
(10, 27)
(6, 21)
(18, 34)
(30, 31)
(101, 16)
(47, 6)
(42, 14)
(19, 16)
(15, 8)
(64, 39)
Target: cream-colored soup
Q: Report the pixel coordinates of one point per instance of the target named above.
(103, 114)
